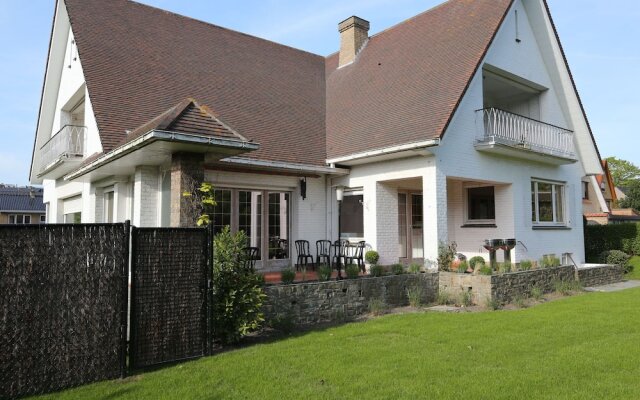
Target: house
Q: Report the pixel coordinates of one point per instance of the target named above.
(21, 205)
(600, 200)
(460, 124)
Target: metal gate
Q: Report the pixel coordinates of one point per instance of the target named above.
(170, 295)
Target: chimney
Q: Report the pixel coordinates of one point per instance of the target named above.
(354, 32)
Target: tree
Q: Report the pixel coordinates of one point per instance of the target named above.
(623, 172)
(633, 196)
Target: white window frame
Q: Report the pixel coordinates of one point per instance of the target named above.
(43, 218)
(554, 186)
(354, 192)
(469, 221)
(105, 203)
(15, 219)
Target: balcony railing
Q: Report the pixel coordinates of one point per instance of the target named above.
(67, 143)
(523, 133)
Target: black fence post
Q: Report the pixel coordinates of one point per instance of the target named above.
(132, 310)
(124, 319)
(209, 297)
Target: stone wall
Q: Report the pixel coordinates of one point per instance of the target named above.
(455, 284)
(335, 301)
(600, 275)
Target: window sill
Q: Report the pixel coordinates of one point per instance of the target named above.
(479, 226)
(551, 228)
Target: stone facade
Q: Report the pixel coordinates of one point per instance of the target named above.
(187, 173)
(600, 275)
(336, 301)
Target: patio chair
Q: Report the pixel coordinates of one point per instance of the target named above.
(283, 249)
(356, 255)
(304, 254)
(250, 258)
(340, 248)
(323, 252)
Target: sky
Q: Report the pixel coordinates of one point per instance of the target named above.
(600, 38)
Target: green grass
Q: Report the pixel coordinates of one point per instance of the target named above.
(581, 347)
(635, 274)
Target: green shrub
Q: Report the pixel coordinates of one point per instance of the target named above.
(486, 270)
(504, 267)
(446, 255)
(476, 260)
(616, 257)
(550, 261)
(600, 238)
(536, 293)
(628, 245)
(565, 288)
(519, 301)
(287, 276)
(283, 323)
(372, 257)
(443, 298)
(525, 265)
(462, 267)
(415, 268)
(397, 269)
(376, 270)
(237, 292)
(377, 306)
(466, 298)
(324, 273)
(415, 296)
(352, 271)
(493, 304)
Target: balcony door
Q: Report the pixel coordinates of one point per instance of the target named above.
(410, 227)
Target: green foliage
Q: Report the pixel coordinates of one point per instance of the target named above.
(599, 238)
(486, 270)
(284, 323)
(632, 199)
(376, 270)
(324, 273)
(476, 260)
(415, 296)
(466, 298)
(537, 293)
(504, 267)
(415, 268)
(397, 269)
(462, 267)
(203, 196)
(443, 298)
(550, 261)
(616, 257)
(566, 287)
(377, 306)
(372, 257)
(623, 172)
(352, 271)
(287, 276)
(526, 265)
(493, 304)
(446, 255)
(519, 301)
(237, 293)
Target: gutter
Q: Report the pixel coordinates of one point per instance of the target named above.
(387, 150)
(287, 166)
(157, 135)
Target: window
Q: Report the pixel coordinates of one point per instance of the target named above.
(585, 190)
(481, 204)
(43, 219)
(351, 216)
(547, 203)
(109, 206)
(73, 218)
(19, 219)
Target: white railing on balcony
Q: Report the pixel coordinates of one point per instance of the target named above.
(68, 142)
(515, 130)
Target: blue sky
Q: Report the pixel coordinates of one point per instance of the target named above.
(599, 37)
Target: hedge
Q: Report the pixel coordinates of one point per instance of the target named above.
(599, 238)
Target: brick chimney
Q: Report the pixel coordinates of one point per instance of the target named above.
(354, 32)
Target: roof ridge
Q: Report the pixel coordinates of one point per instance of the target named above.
(210, 24)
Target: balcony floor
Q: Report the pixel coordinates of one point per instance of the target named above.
(515, 150)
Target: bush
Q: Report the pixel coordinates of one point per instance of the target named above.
(287, 276)
(600, 238)
(466, 299)
(415, 296)
(237, 292)
(443, 298)
(372, 257)
(377, 306)
(376, 270)
(550, 261)
(486, 270)
(476, 260)
(446, 255)
(397, 269)
(324, 273)
(462, 267)
(565, 288)
(616, 257)
(352, 271)
(415, 268)
(493, 304)
(504, 267)
(525, 265)
(519, 301)
(536, 293)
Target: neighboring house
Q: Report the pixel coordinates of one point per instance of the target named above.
(460, 124)
(21, 205)
(600, 200)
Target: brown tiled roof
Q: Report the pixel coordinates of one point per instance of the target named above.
(408, 80)
(140, 61)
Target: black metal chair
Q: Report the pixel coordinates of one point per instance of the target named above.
(340, 248)
(304, 254)
(283, 249)
(250, 258)
(356, 255)
(323, 252)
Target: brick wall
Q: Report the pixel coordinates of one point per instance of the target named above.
(145, 197)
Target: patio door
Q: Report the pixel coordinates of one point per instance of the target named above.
(410, 227)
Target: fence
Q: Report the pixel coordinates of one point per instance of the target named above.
(64, 302)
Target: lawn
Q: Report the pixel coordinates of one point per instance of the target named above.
(582, 347)
(635, 274)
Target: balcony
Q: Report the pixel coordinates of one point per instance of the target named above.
(63, 152)
(513, 135)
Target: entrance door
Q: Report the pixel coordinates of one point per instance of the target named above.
(410, 227)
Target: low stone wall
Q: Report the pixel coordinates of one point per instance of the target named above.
(335, 301)
(504, 287)
(600, 275)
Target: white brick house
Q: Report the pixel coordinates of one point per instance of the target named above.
(461, 124)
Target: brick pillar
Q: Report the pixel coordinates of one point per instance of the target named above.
(434, 195)
(187, 173)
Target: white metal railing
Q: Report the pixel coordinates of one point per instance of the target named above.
(66, 143)
(501, 126)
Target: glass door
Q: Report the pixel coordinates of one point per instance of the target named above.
(410, 227)
(417, 227)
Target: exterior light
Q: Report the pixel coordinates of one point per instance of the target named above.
(340, 193)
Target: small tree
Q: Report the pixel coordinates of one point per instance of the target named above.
(623, 172)
(633, 196)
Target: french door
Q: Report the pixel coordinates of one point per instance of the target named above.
(410, 227)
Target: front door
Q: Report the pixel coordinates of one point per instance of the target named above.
(410, 227)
